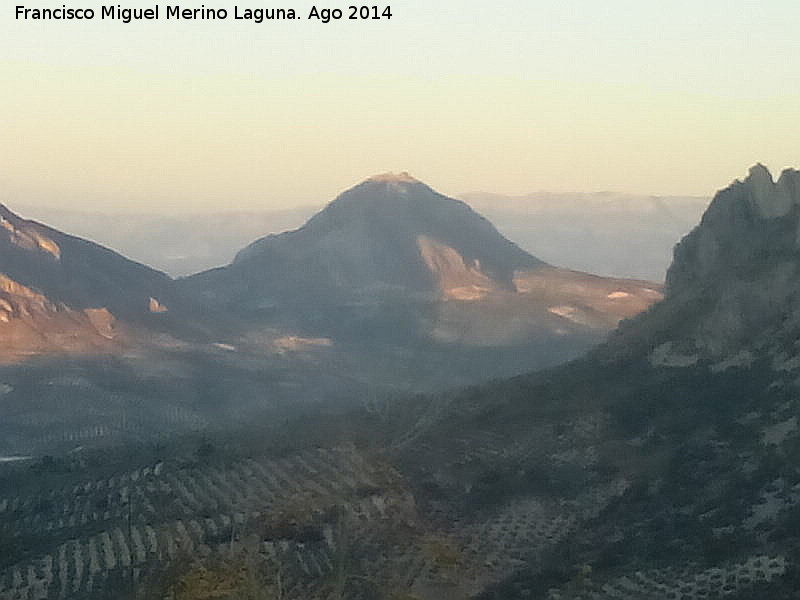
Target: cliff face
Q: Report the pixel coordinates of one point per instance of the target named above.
(30, 323)
(734, 282)
(750, 227)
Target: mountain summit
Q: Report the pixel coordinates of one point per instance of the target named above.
(391, 233)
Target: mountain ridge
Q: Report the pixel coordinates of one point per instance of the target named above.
(76, 271)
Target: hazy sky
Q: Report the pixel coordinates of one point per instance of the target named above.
(646, 96)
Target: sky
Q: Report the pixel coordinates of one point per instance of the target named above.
(654, 97)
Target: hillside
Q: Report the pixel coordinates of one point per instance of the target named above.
(62, 294)
(688, 413)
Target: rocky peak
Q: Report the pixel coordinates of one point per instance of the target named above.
(747, 227)
(734, 283)
(389, 177)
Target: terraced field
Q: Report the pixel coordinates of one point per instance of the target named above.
(682, 584)
(87, 535)
(333, 523)
(307, 514)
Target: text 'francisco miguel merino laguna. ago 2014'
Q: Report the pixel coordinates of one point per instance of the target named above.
(176, 12)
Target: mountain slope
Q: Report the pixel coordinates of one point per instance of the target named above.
(32, 324)
(77, 272)
(61, 293)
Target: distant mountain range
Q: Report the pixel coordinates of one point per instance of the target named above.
(610, 234)
(587, 232)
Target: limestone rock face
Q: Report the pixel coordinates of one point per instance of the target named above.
(735, 279)
(156, 307)
(744, 223)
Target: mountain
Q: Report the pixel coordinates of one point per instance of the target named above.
(740, 267)
(594, 232)
(62, 293)
(393, 247)
(391, 233)
(732, 285)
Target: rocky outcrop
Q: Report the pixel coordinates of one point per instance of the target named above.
(30, 324)
(27, 237)
(746, 224)
(735, 279)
